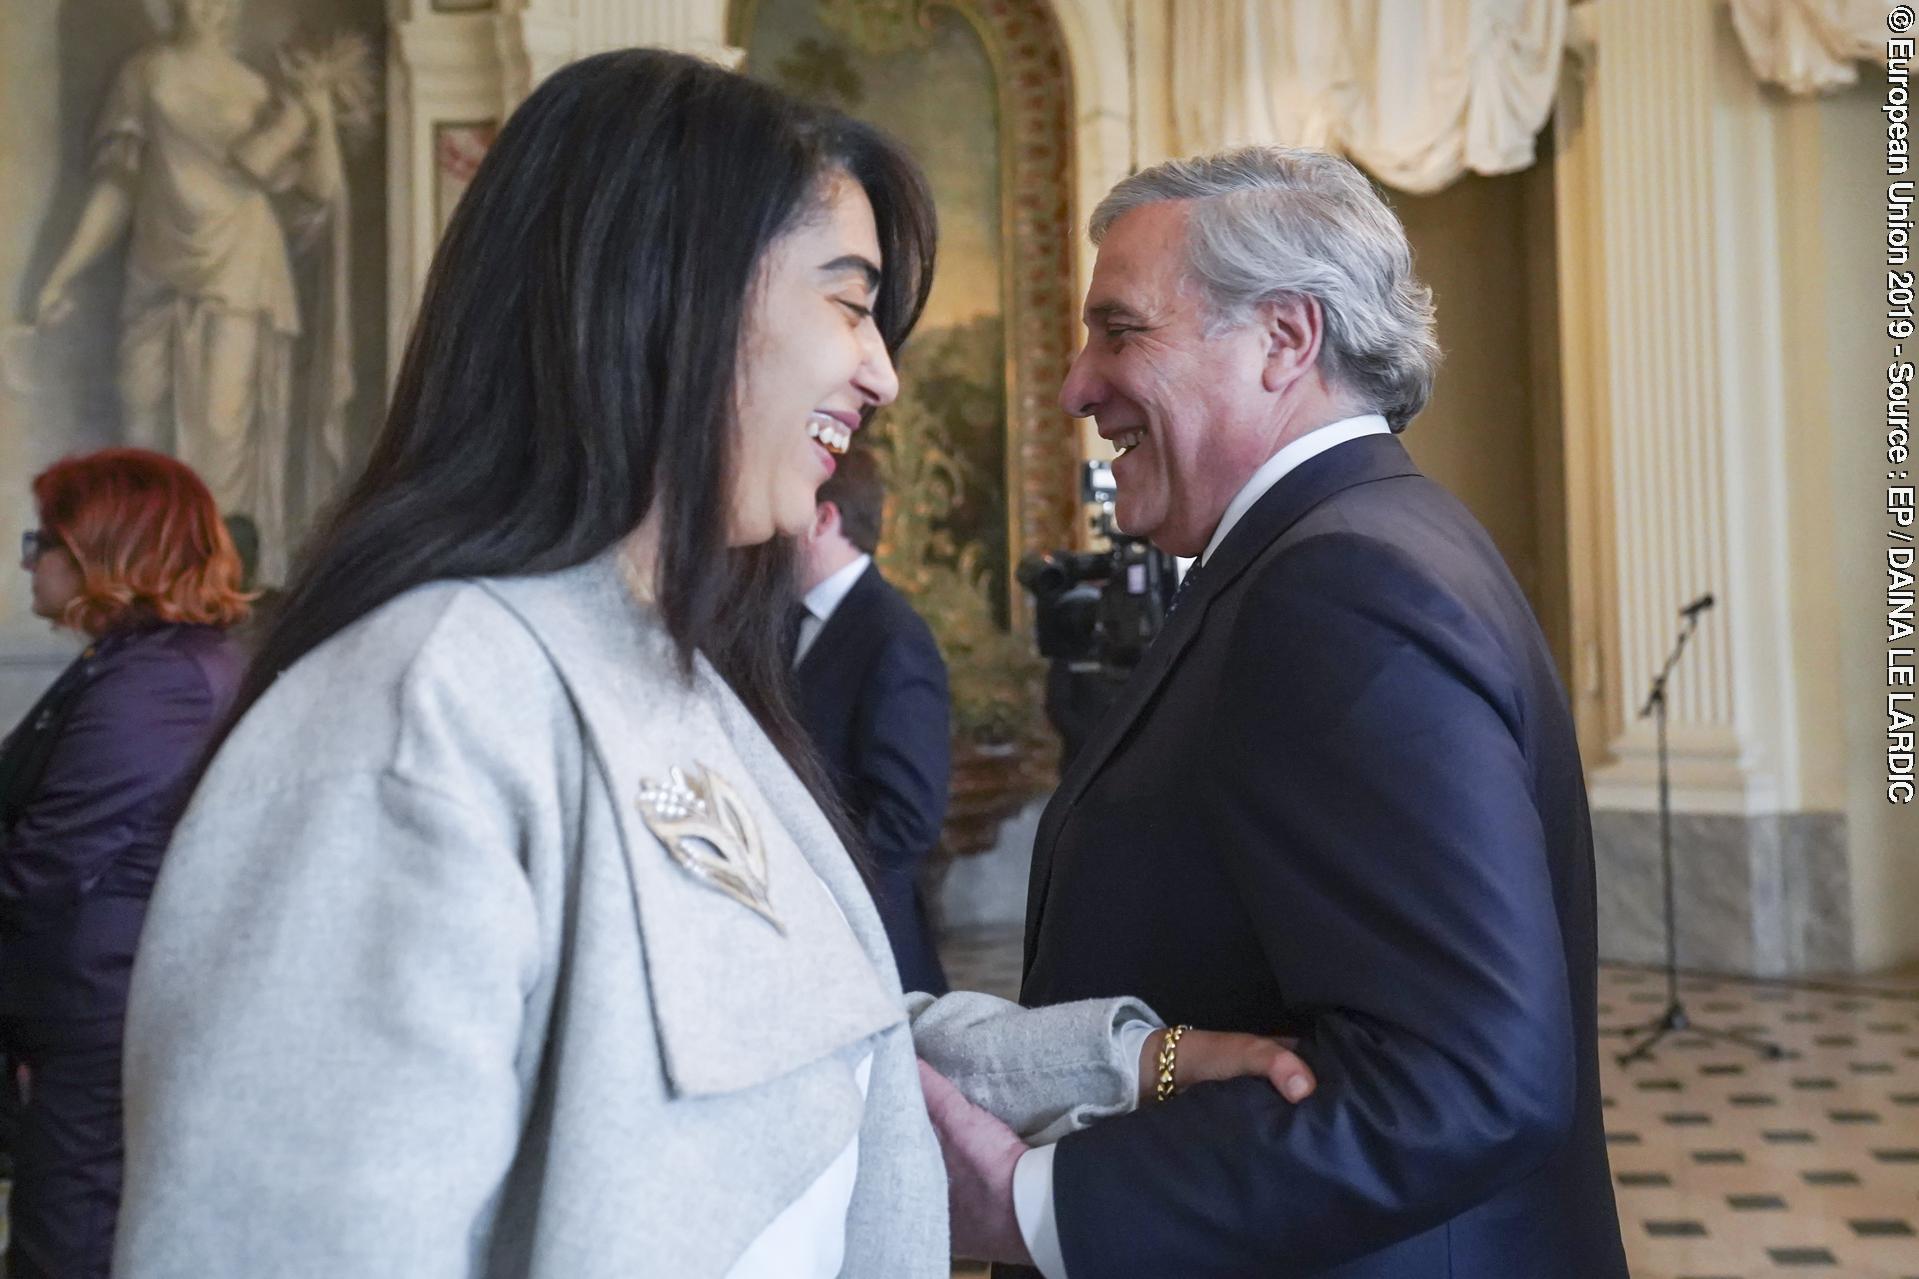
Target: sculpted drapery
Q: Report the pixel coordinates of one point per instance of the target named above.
(1419, 92)
(1811, 46)
(227, 190)
(211, 313)
(1416, 93)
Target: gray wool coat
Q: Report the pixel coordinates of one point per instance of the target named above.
(422, 994)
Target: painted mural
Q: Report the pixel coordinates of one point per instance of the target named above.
(926, 74)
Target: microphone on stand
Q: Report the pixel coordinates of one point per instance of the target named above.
(1675, 1018)
(1698, 606)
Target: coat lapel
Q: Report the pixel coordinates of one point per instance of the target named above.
(812, 834)
(819, 982)
(1361, 461)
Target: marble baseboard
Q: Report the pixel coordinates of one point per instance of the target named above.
(1763, 896)
(988, 890)
(1767, 895)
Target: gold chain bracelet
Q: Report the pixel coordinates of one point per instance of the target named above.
(1168, 1055)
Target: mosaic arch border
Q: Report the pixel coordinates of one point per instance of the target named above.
(1028, 54)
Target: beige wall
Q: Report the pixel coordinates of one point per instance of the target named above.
(1832, 205)
(1491, 432)
(56, 391)
(39, 89)
(1722, 259)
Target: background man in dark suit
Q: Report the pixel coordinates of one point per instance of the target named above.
(872, 695)
(1340, 799)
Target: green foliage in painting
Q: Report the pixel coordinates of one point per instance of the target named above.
(935, 549)
(925, 77)
(878, 27)
(958, 375)
(821, 73)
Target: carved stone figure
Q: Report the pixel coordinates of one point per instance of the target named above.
(204, 167)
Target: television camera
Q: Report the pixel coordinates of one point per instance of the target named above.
(1095, 612)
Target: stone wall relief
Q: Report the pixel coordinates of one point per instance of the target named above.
(225, 185)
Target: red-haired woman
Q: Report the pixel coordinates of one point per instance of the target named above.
(131, 553)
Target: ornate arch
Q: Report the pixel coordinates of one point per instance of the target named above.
(1036, 127)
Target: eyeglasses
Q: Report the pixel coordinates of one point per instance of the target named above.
(36, 542)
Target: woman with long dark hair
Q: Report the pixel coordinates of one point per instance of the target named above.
(130, 553)
(506, 934)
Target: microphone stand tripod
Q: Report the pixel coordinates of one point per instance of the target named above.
(1675, 1019)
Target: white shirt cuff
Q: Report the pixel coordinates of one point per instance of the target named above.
(1033, 1208)
(1132, 1037)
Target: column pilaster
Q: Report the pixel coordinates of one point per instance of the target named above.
(1677, 448)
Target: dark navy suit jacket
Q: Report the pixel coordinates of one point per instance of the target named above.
(873, 698)
(109, 751)
(1340, 799)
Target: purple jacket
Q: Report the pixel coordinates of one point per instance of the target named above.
(102, 765)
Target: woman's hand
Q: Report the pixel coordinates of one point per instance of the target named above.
(1208, 1056)
(54, 304)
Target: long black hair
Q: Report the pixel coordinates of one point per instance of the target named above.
(572, 368)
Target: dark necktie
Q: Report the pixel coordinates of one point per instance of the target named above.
(790, 634)
(1192, 576)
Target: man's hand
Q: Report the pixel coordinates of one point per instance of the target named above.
(1208, 1056)
(980, 1152)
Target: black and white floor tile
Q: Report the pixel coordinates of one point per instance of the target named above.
(1729, 1164)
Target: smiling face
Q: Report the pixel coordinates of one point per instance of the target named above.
(1188, 411)
(812, 362)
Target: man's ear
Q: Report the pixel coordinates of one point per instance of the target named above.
(1293, 326)
(826, 519)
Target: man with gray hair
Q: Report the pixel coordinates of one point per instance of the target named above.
(1341, 798)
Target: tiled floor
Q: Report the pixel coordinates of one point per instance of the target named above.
(1728, 1165)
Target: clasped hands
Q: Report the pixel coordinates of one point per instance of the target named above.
(980, 1151)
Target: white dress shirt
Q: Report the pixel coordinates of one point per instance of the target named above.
(1288, 460)
(823, 599)
(1033, 1175)
(808, 1239)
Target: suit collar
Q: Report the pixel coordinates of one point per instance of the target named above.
(846, 615)
(824, 599)
(1283, 463)
(1357, 462)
